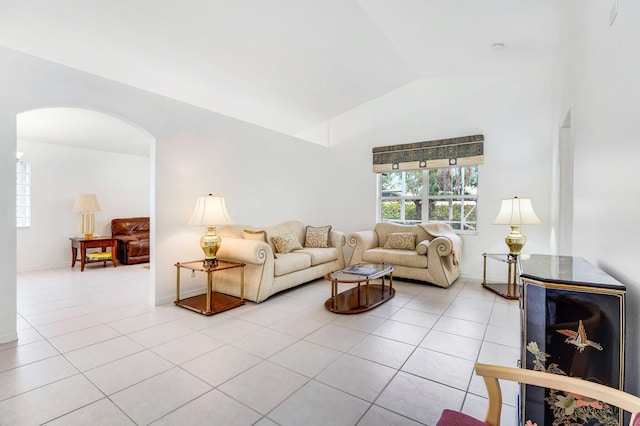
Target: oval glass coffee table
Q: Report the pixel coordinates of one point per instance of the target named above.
(365, 295)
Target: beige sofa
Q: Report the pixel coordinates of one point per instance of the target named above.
(267, 271)
(426, 252)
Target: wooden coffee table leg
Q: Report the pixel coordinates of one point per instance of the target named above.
(366, 300)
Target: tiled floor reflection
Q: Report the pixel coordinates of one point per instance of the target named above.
(92, 351)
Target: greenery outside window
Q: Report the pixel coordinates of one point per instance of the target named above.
(450, 195)
(23, 195)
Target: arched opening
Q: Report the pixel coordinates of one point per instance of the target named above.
(75, 150)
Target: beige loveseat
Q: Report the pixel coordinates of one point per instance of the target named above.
(267, 271)
(427, 252)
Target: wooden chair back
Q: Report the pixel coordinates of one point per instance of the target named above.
(492, 373)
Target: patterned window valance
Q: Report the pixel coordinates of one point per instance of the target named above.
(463, 151)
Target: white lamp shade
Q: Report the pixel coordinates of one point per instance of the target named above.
(86, 203)
(516, 211)
(211, 210)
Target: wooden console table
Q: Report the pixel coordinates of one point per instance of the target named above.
(98, 242)
(209, 303)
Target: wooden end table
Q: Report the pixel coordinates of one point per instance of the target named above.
(97, 242)
(211, 302)
(365, 295)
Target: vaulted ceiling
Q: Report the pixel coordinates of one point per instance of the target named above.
(286, 65)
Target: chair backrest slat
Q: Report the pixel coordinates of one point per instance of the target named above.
(611, 396)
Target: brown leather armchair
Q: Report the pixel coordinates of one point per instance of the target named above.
(132, 235)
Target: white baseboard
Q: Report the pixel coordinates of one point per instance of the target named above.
(165, 300)
(8, 337)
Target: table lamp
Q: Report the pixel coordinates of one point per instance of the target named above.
(86, 205)
(210, 212)
(515, 212)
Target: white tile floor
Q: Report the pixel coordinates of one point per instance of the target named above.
(92, 351)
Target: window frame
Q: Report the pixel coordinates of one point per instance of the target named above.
(23, 196)
(426, 199)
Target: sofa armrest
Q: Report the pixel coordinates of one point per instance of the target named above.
(337, 239)
(125, 238)
(444, 251)
(361, 241)
(245, 251)
(443, 257)
(451, 242)
(443, 246)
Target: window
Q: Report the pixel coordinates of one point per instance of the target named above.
(449, 194)
(401, 195)
(23, 195)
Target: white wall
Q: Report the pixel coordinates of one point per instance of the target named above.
(511, 112)
(7, 221)
(58, 174)
(267, 177)
(597, 79)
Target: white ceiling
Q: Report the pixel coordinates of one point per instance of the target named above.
(83, 128)
(282, 64)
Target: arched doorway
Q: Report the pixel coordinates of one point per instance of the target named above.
(75, 150)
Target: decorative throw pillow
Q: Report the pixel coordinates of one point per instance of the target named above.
(401, 240)
(317, 236)
(255, 235)
(286, 243)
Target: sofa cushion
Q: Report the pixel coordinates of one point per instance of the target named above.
(133, 239)
(145, 235)
(455, 418)
(320, 255)
(317, 236)
(286, 243)
(138, 248)
(401, 240)
(383, 229)
(130, 226)
(284, 228)
(422, 246)
(255, 235)
(291, 262)
(396, 257)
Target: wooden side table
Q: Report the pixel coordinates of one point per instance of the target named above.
(98, 242)
(210, 303)
(508, 290)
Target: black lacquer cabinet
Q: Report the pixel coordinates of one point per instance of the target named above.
(573, 323)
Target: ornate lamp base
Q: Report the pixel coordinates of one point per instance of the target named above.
(210, 243)
(87, 225)
(515, 240)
